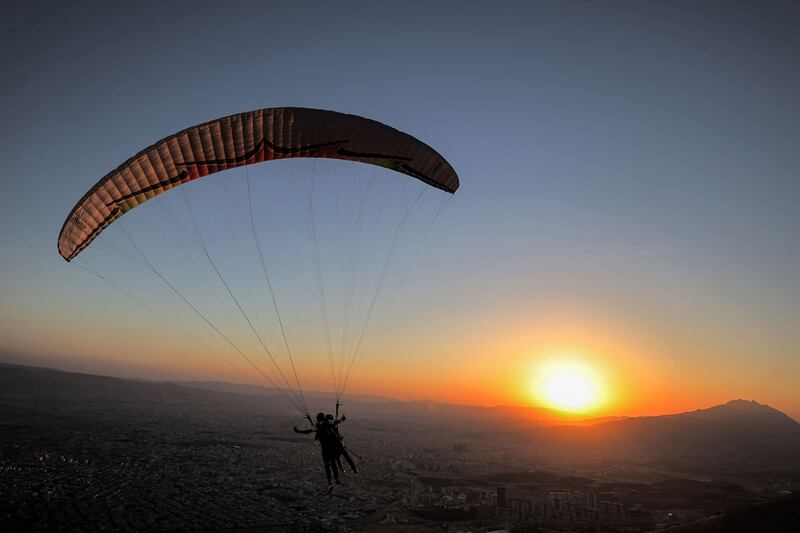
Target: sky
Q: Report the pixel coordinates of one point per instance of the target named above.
(629, 197)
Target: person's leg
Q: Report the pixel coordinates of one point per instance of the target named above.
(339, 463)
(349, 460)
(330, 464)
(327, 466)
(328, 471)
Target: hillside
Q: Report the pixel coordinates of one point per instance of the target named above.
(744, 435)
(743, 432)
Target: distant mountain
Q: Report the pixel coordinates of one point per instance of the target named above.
(369, 405)
(740, 434)
(44, 387)
(37, 384)
(376, 406)
(241, 388)
(454, 414)
(778, 516)
(548, 417)
(743, 432)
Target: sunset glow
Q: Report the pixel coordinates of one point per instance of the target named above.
(568, 385)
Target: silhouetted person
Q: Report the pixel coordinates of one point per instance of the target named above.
(329, 443)
(334, 423)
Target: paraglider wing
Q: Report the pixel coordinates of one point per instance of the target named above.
(244, 139)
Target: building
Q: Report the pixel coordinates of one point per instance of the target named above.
(501, 498)
(612, 510)
(521, 509)
(590, 500)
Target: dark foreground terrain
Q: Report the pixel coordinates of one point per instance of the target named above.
(91, 453)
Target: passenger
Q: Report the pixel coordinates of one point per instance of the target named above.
(329, 445)
(334, 423)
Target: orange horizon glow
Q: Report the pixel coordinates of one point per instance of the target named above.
(647, 400)
(629, 374)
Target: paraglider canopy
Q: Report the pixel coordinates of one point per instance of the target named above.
(364, 224)
(244, 139)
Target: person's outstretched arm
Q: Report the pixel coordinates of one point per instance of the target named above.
(303, 431)
(337, 422)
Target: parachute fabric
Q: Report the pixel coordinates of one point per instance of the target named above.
(244, 139)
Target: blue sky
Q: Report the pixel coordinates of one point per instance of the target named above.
(635, 163)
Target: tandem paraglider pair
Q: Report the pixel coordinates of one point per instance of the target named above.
(331, 443)
(242, 140)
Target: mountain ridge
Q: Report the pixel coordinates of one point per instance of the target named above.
(501, 410)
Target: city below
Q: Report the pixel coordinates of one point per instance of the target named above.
(93, 453)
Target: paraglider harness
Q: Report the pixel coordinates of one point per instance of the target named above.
(333, 428)
(336, 417)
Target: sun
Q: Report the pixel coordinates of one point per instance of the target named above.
(568, 386)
